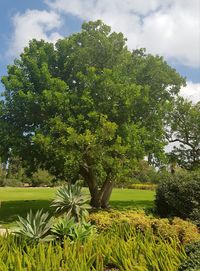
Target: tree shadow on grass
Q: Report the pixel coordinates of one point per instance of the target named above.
(9, 210)
(132, 204)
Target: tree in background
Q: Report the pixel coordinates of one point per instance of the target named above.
(184, 129)
(87, 107)
(144, 173)
(2, 172)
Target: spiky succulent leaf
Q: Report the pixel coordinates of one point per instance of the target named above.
(70, 200)
(34, 227)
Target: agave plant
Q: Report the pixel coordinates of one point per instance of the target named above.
(62, 227)
(68, 228)
(34, 228)
(70, 200)
(82, 232)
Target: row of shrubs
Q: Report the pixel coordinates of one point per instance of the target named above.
(176, 228)
(142, 186)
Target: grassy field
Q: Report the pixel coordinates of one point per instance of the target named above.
(18, 201)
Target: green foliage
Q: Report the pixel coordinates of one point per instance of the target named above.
(192, 263)
(125, 250)
(14, 174)
(144, 173)
(86, 106)
(179, 195)
(82, 231)
(62, 227)
(70, 200)
(184, 128)
(176, 229)
(34, 228)
(69, 228)
(11, 172)
(14, 169)
(40, 178)
(11, 182)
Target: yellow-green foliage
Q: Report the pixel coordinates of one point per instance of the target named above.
(121, 248)
(179, 229)
(142, 186)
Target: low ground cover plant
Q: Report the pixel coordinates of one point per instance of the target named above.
(176, 228)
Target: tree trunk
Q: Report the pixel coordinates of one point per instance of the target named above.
(99, 197)
(95, 199)
(92, 185)
(106, 195)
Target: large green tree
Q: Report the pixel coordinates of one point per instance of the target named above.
(87, 107)
(184, 130)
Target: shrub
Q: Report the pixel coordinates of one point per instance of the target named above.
(34, 228)
(186, 231)
(179, 195)
(142, 186)
(70, 200)
(176, 229)
(192, 262)
(11, 182)
(40, 178)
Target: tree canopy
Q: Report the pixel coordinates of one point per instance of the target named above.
(184, 129)
(87, 106)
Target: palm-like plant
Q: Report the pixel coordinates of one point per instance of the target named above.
(34, 227)
(70, 200)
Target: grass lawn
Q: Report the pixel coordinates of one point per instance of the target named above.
(18, 201)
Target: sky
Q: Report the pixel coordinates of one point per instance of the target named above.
(170, 28)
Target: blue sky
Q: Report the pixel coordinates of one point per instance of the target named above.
(170, 28)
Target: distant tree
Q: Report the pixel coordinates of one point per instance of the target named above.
(2, 172)
(144, 173)
(14, 168)
(87, 107)
(184, 129)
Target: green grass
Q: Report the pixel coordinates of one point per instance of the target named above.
(18, 201)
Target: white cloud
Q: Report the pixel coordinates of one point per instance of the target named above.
(170, 27)
(33, 24)
(191, 92)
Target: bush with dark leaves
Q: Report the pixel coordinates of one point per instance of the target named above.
(179, 195)
(192, 263)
